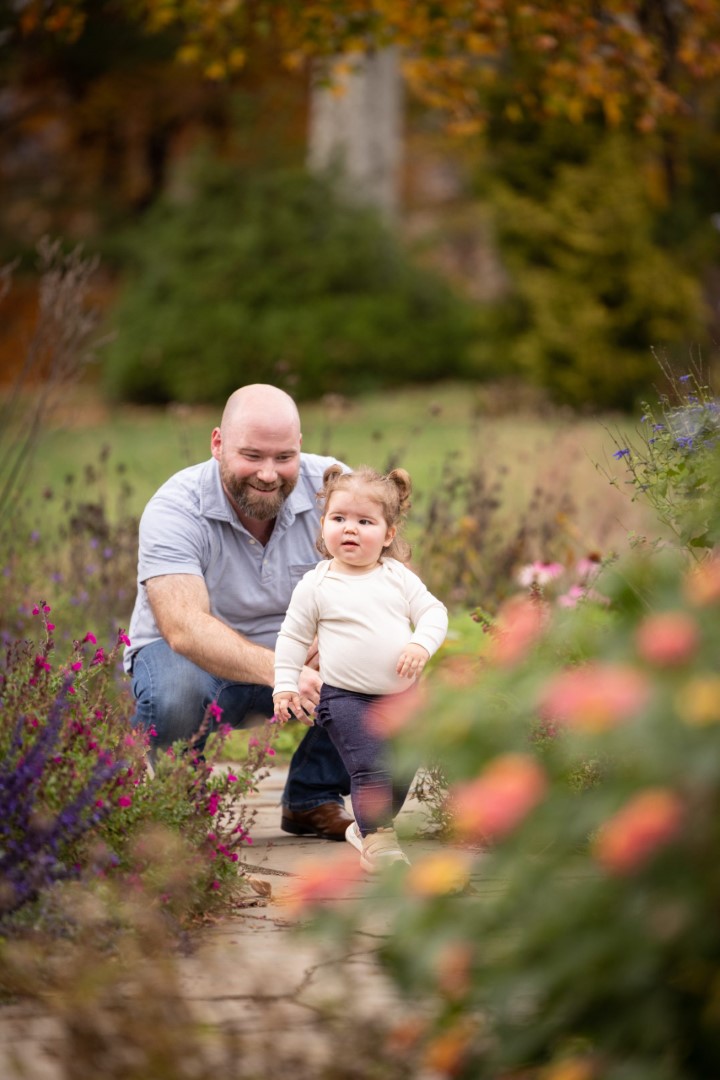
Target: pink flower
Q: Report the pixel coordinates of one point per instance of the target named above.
(215, 885)
(576, 593)
(36, 610)
(493, 804)
(77, 666)
(539, 573)
(51, 626)
(596, 696)
(123, 639)
(669, 638)
(46, 608)
(231, 778)
(588, 568)
(99, 657)
(647, 822)
(91, 638)
(213, 803)
(124, 800)
(214, 710)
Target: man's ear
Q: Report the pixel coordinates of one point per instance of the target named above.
(216, 443)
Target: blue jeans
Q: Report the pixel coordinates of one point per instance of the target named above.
(377, 795)
(172, 693)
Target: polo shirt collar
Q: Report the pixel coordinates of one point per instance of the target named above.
(214, 502)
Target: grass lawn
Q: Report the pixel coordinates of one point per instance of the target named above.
(431, 431)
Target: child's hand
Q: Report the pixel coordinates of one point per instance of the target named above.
(287, 707)
(412, 661)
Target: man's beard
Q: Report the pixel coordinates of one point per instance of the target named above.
(249, 501)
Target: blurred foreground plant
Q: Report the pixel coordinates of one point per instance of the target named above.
(571, 928)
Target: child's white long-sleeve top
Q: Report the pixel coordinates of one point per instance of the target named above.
(363, 622)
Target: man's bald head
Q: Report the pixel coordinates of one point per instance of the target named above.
(260, 401)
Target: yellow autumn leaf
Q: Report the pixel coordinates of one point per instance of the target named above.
(216, 70)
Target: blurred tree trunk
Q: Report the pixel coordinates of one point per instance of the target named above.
(356, 127)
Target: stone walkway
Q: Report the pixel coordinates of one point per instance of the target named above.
(253, 973)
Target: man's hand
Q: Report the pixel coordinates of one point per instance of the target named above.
(412, 661)
(309, 687)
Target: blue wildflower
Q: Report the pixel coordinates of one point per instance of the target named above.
(621, 453)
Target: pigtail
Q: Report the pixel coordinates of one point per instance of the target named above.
(331, 473)
(401, 479)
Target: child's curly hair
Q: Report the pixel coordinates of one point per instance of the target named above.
(391, 492)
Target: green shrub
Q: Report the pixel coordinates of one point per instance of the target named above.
(593, 290)
(271, 278)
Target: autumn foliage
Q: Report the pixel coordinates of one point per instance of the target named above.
(626, 59)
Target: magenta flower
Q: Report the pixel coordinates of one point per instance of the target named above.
(232, 779)
(125, 800)
(91, 638)
(214, 710)
(99, 657)
(123, 638)
(77, 666)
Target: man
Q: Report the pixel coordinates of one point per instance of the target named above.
(222, 545)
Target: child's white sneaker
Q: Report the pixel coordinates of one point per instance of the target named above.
(354, 836)
(379, 849)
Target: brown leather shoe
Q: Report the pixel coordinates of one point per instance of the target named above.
(328, 821)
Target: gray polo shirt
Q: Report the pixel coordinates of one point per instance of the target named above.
(189, 527)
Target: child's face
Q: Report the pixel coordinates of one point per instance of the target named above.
(355, 531)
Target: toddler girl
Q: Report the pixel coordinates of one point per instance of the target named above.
(376, 624)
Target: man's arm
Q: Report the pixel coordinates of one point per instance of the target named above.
(181, 606)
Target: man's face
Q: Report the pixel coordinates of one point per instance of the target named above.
(259, 465)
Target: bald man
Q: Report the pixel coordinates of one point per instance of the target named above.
(222, 546)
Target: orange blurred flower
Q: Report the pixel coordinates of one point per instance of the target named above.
(668, 638)
(453, 965)
(574, 1068)
(520, 623)
(439, 873)
(446, 1053)
(324, 881)
(596, 696)
(702, 584)
(390, 715)
(647, 822)
(493, 804)
(698, 702)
